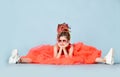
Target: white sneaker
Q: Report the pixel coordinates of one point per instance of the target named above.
(14, 57)
(109, 57)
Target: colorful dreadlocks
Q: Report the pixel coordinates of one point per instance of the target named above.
(63, 30)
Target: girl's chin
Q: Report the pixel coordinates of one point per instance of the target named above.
(63, 45)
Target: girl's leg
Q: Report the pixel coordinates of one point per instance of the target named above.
(25, 60)
(15, 58)
(102, 60)
(108, 59)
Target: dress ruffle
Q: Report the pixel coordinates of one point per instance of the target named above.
(82, 54)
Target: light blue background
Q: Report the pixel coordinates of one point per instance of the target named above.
(28, 23)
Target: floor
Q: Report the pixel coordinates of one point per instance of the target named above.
(38, 70)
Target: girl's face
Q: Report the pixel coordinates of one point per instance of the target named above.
(63, 41)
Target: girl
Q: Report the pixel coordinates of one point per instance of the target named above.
(63, 52)
(63, 46)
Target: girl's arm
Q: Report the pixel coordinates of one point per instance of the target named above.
(65, 52)
(71, 51)
(59, 53)
(55, 51)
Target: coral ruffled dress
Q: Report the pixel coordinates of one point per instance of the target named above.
(82, 54)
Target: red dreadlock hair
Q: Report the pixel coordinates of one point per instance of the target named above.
(63, 30)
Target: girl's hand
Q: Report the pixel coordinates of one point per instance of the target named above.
(59, 45)
(59, 53)
(61, 48)
(66, 45)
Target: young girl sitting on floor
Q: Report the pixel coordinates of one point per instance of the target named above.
(63, 52)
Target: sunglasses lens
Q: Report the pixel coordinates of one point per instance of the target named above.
(59, 40)
(62, 40)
